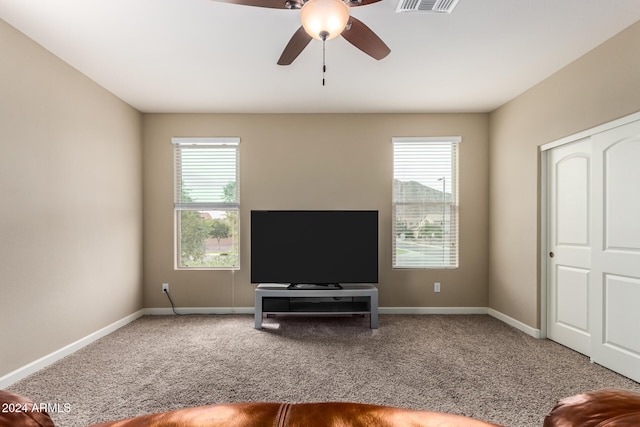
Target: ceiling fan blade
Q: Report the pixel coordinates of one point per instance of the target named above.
(362, 3)
(366, 40)
(296, 45)
(273, 4)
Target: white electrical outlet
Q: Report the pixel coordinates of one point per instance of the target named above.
(436, 287)
(165, 288)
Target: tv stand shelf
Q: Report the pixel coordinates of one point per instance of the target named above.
(351, 299)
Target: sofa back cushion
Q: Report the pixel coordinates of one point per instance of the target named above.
(328, 414)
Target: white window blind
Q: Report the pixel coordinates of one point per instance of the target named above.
(425, 202)
(206, 202)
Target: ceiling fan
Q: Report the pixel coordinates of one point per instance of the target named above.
(324, 20)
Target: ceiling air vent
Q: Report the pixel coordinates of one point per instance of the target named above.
(426, 6)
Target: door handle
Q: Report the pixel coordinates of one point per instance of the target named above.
(551, 254)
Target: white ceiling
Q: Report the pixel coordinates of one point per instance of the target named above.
(206, 56)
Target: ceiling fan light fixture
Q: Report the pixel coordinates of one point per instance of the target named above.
(324, 19)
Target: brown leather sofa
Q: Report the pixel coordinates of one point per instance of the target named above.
(330, 414)
(17, 411)
(603, 408)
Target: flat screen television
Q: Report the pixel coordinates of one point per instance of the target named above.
(317, 248)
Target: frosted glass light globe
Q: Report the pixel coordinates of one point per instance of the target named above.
(324, 17)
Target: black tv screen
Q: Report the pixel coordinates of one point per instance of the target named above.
(314, 247)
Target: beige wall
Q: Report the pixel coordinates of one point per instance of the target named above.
(327, 161)
(70, 216)
(71, 221)
(599, 87)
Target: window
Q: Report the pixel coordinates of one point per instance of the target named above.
(425, 202)
(206, 203)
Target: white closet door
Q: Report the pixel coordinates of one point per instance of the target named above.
(569, 244)
(615, 285)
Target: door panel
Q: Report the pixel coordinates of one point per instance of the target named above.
(622, 178)
(569, 260)
(615, 288)
(573, 297)
(572, 199)
(621, 315)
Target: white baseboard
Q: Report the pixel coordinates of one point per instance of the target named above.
(536, 333)
(198, 310)
(432, 310)
(381, 310)
(20, 373)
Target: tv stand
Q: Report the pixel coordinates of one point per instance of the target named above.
(314, 286)
(349, 299)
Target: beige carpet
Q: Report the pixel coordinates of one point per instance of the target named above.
(470, 365)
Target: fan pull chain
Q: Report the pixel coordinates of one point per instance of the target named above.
(323, 35)
(324, 67)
